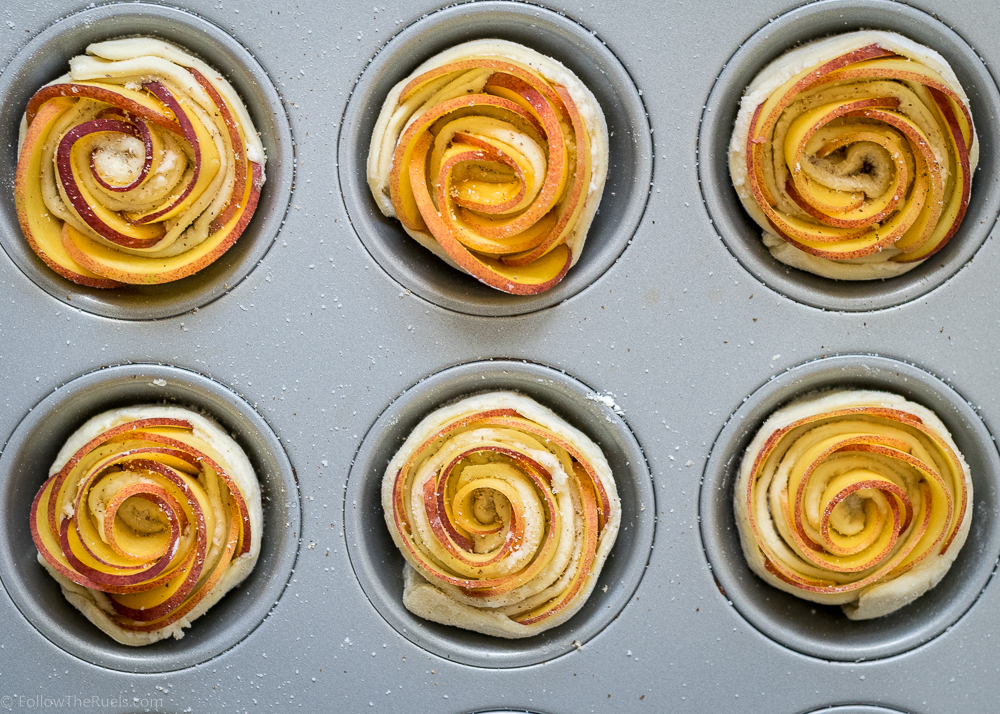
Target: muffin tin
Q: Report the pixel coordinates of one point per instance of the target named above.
(323, 336)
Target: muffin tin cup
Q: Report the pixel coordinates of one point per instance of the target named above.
(855, 709)
(742, 235)
(24, 466)
(823, 630)
(47, 56)
(336, 339)
(629, 173)
(378, 564)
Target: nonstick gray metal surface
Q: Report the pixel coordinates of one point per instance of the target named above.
(314, 335)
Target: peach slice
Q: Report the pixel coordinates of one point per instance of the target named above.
(137, 269)
(42, 230)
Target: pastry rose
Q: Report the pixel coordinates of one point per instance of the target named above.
(139, 166)
(855, 155)
(853, 498)
(149, 516)
(505, 515)
(494, 158)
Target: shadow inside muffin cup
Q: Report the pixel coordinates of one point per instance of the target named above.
(378, 563)
(24, 466)
(823, 630)
(740, 232)
(47, 56)
(630, 147)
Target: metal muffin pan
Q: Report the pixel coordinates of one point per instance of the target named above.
(47, 57)
(379, 565)
(323, 337)
(25, 462)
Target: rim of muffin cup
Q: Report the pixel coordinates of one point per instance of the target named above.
(855, 709)
(823, 631)
(741, 234)
(630, 168)
(24, 467)
(46, 56)
(378, 564)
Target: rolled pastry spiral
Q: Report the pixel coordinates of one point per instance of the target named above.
(149, 516)
(493, 157)
(140, 166)
(855, 155)
(853, 498)
(504, 513)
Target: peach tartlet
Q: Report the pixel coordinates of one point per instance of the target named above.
(139, 166)
(853, 498)
(504, 513)
(855, 155)
(494, 158)
(149, 516)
